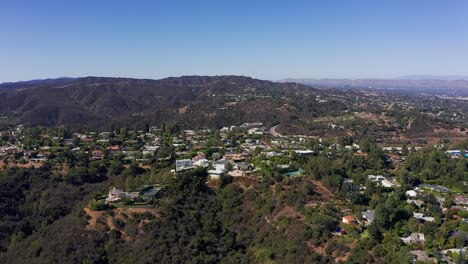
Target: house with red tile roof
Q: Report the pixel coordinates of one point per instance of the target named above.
(349, 219)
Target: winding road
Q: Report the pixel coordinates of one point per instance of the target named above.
(274, 132)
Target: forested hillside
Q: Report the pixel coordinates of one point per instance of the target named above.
(92, 100)
(290, 205)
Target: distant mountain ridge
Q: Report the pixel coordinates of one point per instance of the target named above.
(99, 101)
(93, 80)
(32, 83)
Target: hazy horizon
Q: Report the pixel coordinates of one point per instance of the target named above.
(406, 77)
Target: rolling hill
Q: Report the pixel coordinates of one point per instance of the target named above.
(194, 102)
(100, 101)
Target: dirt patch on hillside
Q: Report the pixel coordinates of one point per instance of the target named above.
(365, 115)
(183, 110)
(103, 220)
(323, 191)
(316, 249)
(452, 132)
(231, 104)
(345, 257)
(95, 215)
(30, 164)
(129, 211)
(143, 166)
(245, 183)
(289, 212)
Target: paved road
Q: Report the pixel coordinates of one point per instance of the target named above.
(274, 133)
(445, 258)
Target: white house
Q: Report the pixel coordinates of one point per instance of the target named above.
(414, 238)
(222, 165)
(376, 178)
(152, 148)
(388, 183)
(116, 195)
(420, 216)
(369, 215)
(411, 193)
(306, 152)
(381, 180)
(255, 131)
(184, 164)
(215, 174)
(202, 163)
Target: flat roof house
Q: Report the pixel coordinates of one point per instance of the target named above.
(184, 164)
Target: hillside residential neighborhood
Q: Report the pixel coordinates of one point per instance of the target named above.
(264, 132)
(235, 152)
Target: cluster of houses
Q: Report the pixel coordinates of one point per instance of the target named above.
(145, 146)
(229, 156)
(39, 156)
(456, 153)
(9, 149)
(228, 165)
(421, 213)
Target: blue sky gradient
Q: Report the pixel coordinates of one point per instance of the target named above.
(263, 39)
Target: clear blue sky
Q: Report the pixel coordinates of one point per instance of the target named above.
(264, 39)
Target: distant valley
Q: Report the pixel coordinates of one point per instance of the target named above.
(451, 85)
